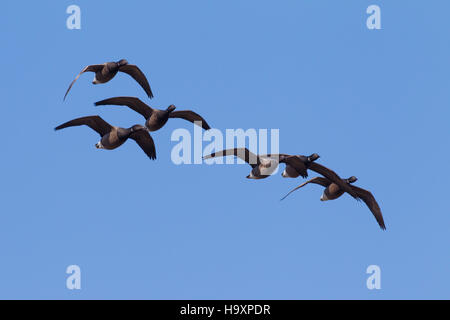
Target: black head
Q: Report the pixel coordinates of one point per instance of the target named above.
(313, 157)
(138, 127)
(122, 62)
(171, 108)
(352, 179)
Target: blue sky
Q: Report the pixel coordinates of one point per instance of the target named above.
(372, 103)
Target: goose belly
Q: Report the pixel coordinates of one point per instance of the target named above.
(331, 192)
(290, 172)
(156, 122)
(111, 141)
(104, 76)
(268, 167)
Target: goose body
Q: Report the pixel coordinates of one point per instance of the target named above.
(297, 165)
(157, 120)
(106, 73)
(114, 139)
(264, 169)
(331, 192)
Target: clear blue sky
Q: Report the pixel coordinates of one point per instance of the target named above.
(372, 103)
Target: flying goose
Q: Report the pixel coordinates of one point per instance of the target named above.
(113, 137)
(264, 165)
(155, 119)
(106, 71)
(297, 165)
(333, 191)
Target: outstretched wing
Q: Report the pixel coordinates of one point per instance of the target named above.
(242, 153)
(275, 156)
(91, 68)
(370, 201)
(317, 180)
(139, 76)
(94, 122)
(332, 176)
(145, 141)
(131, 102)
(190, 116)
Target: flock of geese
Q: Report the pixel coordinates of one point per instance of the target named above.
(262, 166)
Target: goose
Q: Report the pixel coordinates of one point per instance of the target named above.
(113, 137)
(155, 119)
(264, 165)
(106, 71)
(333, 191)
(297, 165)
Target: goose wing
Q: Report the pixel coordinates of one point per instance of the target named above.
(131, 102)
(370, 201)
(91, 68)
(317, 180)
(94, 122)
(190, 116)
(139, 76)
(145, 141)
(277, 156)
(332, 176)
(242, 153)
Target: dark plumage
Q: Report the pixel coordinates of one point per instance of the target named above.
(262, 165)
(113, 137)
(106, 71)
(155, 119)
(298, 165)
(333, 191)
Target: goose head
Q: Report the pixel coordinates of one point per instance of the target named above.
(137, 127)
(122, 62)
(313, 157)
(352, 179)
